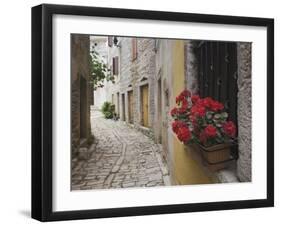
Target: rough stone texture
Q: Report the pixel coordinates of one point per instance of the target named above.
(80, 70)
(191, 66)
(134, 74)
(121, 157)
(143, 72)
(244, 163)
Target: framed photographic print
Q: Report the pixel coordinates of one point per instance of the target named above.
(146, 112)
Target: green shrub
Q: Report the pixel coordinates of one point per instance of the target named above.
(108, 110)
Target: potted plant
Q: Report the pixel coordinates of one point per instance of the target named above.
(203, 125)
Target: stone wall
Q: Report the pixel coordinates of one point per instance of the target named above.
(132, 75)
(244, 163)
(81, 92)
(143, 72)
(191, 66)
(126, 82)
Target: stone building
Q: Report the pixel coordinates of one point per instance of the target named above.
(150, 73)
(81, 91)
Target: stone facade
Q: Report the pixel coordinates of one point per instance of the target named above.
(156, 67)
(81, 93)
(132, 75)
(244, 163)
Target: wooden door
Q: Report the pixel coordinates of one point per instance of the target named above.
(123, 107)
(118, 107)
(144, 99)
(83, 107)
(159, 98)
(130, 107)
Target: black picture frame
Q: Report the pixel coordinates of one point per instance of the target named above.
(42, 107)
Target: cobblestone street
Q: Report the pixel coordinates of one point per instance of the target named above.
(121, 157)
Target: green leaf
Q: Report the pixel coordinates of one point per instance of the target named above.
(224, 115)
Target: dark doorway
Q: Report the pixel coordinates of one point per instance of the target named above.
(144, 105)
(83, 107)
(117, 103)
(130, 106)
(159, 100)
(123, 107)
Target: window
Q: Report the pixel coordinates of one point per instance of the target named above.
(115, 65)
(110, 41)
(134, 48)
(217, 74)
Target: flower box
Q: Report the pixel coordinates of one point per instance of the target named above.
(214, 157)
(204, 124)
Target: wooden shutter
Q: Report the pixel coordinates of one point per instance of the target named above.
(115, 64)
(134, 48)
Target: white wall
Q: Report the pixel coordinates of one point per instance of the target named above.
(15, 88)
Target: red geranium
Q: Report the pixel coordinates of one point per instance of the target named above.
(195, 99)
(198, 110)
(184, 103)
(174, 112)
(181, 110)
(201, 120)
(179, 99)
(176, 125)
(229, 128)
(210, 131)
(192, 118)
(216, 106)
(183, 96)
(185, 93)
(207, 102)
(184, 134)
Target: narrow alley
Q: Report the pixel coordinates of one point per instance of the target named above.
(121, 157)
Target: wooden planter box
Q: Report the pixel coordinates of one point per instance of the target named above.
(214, 157)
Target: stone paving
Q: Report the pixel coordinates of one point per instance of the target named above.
(121, 157)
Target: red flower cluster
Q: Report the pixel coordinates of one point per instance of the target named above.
(198, 110)
(174, 112)
(201, 120)
(184, 134)
(177, 124)
(210, 131)
(229, 128)
(200, 106)
(182, 131)
(183, 95)
(195, 99)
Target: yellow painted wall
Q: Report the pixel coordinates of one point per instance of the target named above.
(186, 169)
